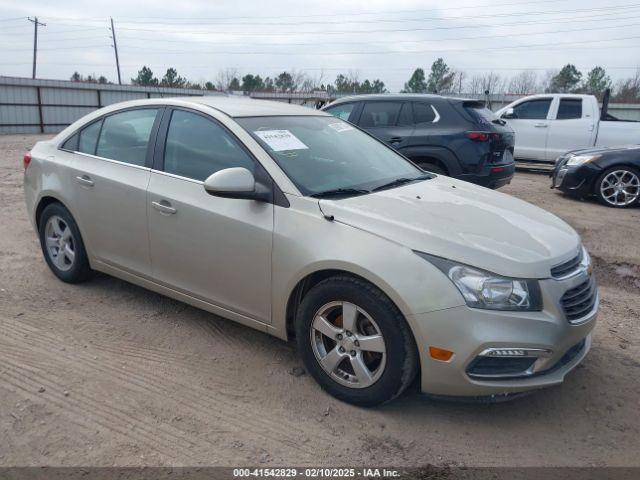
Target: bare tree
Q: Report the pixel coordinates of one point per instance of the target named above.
(628, 90)
(524, 83)
(225, 78)
(545, 83)
(489, 82)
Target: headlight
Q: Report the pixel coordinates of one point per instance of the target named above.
(575, 160)
(482, 289)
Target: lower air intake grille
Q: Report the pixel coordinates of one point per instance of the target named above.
(579, 301)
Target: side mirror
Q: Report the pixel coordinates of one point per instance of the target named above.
(508, 113)
(236, 182)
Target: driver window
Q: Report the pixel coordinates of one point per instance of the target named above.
(196, 147)
(533, 109)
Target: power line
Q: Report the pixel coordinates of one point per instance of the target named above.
(335, 22)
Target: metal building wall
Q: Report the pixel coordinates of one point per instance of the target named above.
(48, 106)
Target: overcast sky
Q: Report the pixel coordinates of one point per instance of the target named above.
(384, 39)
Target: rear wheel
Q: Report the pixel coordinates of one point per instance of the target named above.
(62, 245)
(355, 342)
(619, 187)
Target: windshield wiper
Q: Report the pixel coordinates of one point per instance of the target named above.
(340, 191)
(400, 181)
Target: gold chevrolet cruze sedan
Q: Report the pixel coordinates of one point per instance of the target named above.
(296, 223)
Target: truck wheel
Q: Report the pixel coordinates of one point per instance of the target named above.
(355, 342)
(619, 187)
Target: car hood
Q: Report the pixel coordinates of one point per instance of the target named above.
(602, 150)
(463, 222)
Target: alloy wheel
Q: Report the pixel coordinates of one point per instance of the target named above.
(59, 242)
(348, 344)
(620, 188)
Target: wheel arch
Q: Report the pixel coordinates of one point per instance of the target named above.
(310, 279)
(439, 156)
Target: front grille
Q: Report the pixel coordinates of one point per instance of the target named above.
(565, 268)
(579, 301)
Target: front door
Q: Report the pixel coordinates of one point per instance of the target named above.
(531, 124)
(212, 248)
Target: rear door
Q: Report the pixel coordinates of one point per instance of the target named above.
(530, 121)
(389, 121)
(211, 248)
(572, 127)
(111, 169)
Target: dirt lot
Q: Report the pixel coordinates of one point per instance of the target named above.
(107, 373)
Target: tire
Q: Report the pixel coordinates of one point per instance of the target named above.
(57, 225)
(624, 174)
(431, 167)
(341, 298)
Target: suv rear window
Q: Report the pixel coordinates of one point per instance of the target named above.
(480, 113)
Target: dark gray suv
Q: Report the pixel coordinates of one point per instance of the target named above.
(453, 136)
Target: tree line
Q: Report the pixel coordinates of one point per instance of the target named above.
(441, 79)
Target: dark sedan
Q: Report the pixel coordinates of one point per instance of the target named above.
(610, 174)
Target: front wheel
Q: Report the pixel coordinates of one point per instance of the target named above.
(355, 342)
(619, 187)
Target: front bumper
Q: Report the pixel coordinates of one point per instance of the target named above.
(577, 180)
(469, 332)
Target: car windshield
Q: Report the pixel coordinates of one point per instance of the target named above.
(325, 155)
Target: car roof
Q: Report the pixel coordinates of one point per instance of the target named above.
(396, 96)
(238, 106)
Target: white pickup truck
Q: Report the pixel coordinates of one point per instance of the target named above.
(548, 125)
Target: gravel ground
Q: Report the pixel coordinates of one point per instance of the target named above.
(106, 373)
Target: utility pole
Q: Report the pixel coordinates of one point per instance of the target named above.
(115, 47)
(35, 22)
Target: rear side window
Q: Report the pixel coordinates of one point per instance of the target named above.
(71, 144)
(89, 138)
(380, 114)
(196, 147)
(343, 112)
(533, 109)
(569, 108)
(125, 136)
(423, 113)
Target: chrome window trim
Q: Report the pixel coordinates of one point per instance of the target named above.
(110, 160)
(437, 118)
(179, 177)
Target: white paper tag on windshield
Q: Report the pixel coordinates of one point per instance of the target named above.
(280, 140)
(340, 127)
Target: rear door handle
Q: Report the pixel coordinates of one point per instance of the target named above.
(164, 207)
(84, 180)
(541, 125)
(395, 139)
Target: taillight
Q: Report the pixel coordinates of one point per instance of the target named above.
(478, 136)
(26, 160)
(483, 136)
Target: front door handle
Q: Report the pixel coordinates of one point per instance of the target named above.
(541, 125)
(84, 180)
(164, 207)
(395, 139)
